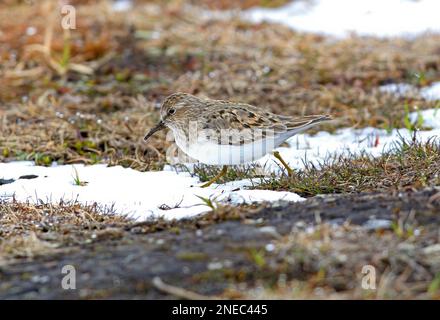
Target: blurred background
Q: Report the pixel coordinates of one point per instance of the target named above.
(100, 83)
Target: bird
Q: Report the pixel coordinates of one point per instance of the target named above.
(224, 133)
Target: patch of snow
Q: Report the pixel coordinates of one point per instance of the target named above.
(122, 5)
(250, 196)
(430, 93)
(304, 148)
(377, 224)
(139, 195)
(399, 89)
(340, 17)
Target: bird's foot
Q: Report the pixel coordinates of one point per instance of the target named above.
(289, 170)
(218, 176)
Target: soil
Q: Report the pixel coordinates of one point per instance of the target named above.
(219, 259)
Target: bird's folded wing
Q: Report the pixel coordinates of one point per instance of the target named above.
(237, 124)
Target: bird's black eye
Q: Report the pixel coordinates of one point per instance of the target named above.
(171, 111)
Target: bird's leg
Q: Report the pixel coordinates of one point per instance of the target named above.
(218, 176)
(277, 155)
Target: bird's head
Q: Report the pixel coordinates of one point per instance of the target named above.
(174, 108)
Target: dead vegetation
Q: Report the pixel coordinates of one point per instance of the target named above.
(408, 166)
(313, 249)
(74, 95)
(28, 231)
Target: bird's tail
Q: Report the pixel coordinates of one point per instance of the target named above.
(301, 124)
(297, 125)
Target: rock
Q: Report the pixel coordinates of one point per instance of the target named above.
(28, 176)
(6, 181)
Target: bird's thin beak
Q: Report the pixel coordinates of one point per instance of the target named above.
(158, 127)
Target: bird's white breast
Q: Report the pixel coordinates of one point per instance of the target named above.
(211, 153)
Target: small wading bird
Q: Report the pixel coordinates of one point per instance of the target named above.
(217, 132)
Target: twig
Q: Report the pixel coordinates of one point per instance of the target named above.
(179, 292)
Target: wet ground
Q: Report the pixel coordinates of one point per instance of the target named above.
(256, 252)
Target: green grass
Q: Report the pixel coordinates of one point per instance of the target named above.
(76, 179)
(234, 173)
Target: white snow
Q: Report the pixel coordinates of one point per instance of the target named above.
(122, 5)
(376, 224)
(431, 93)
(430, 117)
(383, 18)
(172, 194)
(316, 149)
(399, 89)
(137, 194)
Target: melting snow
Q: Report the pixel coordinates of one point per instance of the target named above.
(431, 93)
(122, 5)
(140, 195)
(315, 149)
(340, 17)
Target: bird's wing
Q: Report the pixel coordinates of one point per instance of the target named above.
(237, 124)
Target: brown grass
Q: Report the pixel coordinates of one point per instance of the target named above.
(409, 166)
(27, 230)
(331, 262)
(80, 117)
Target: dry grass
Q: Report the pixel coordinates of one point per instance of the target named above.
(331, 259)
(28, 231)
(298, 256)
(408, 166)
(158, 49)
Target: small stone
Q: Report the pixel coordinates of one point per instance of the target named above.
(270, 247)
(270, 230)
(30, 31)
(28, 176)
(6, 181)
(215, 265)
(434, 249)
(377, 224)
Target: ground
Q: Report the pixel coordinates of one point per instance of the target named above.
(311, 249)
(90, 95)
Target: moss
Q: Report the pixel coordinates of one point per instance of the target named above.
(192, 256)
